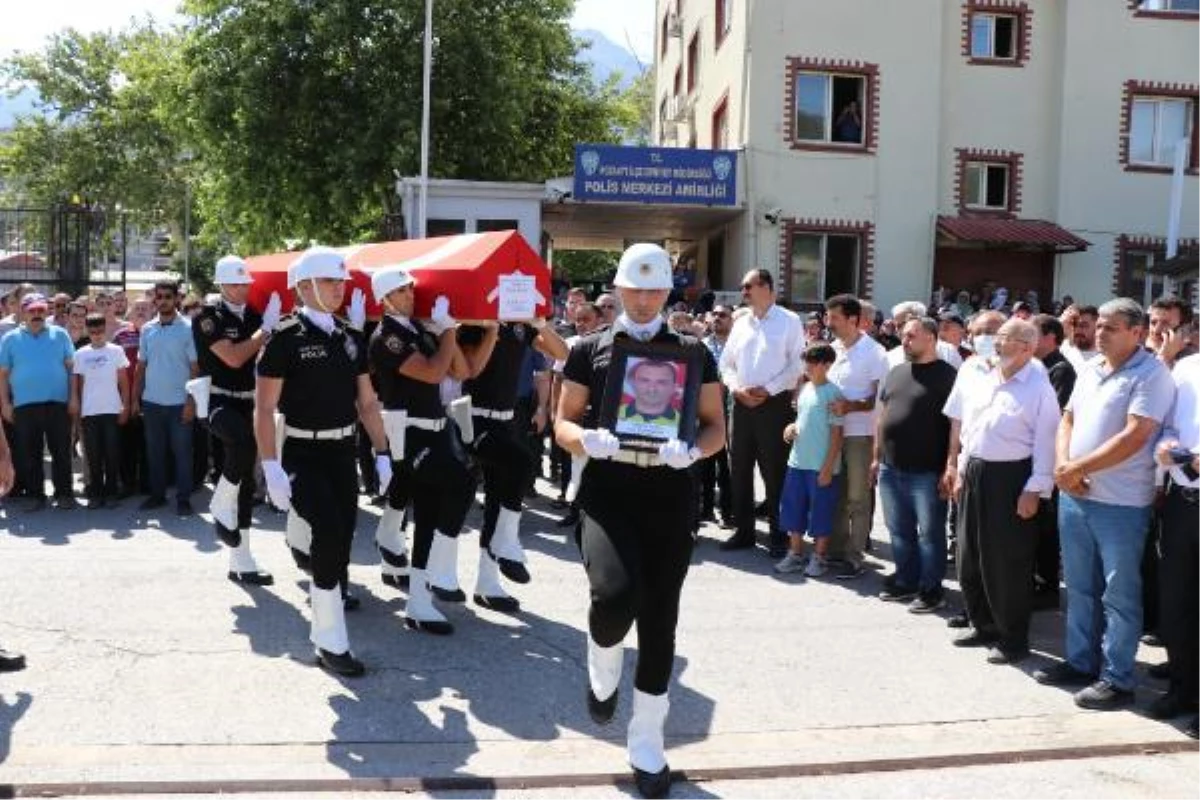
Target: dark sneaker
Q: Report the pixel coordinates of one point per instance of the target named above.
(1006, 655)
(1103, 696)
(10, 661)
(849, 571)
(927, 602)
(974, 638)
(959, 620)
(898, 594)
(1062, 674)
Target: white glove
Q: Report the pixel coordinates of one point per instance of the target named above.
(537, 323)
(356, 315)
(383, 468)
(270, 315)
(600, 444)
(279, 486)
(677, 455)
(440, 319)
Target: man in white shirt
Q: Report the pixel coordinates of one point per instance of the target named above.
(859, 371)
(1003, 419)
(100, 395)
(761, 366)
(1080, 321)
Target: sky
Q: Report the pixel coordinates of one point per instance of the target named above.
(26, 25)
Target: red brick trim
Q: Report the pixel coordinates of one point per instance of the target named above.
(1024, 32)
(866, 249)
(1155, 244)
(692, 59)
(1132, 89)
(1138, 12)
(870, 114)
(1016, 179)
(722, 105)
(721, 26)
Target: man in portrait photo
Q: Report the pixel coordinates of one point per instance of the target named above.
(655, 386)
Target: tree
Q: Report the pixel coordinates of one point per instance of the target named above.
(633, 108)
(304, 112)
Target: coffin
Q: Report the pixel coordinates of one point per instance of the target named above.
(467, 269)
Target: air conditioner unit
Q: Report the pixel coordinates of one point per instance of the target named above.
(674, 25)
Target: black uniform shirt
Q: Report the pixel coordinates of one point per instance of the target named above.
(496, 386)
(1061, 374)
(391, 345)
(588, 361)
(319, 371)
(216, 323)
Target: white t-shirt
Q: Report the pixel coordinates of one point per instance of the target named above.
(99, 367)
(858, 372)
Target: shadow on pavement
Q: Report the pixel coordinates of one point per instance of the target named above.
(9, 714)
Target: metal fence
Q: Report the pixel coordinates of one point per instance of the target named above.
(66, 248)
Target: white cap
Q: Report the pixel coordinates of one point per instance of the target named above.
(317, 262)
(231, 271)
(387, 280)
(644, 266)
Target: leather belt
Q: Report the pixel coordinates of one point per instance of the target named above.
(425, 424)
(489, 413)
(217, 390)
(324, 435)
(637, 458)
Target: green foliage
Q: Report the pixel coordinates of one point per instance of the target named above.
(586, 265)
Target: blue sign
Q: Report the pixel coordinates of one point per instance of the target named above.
(674, 175)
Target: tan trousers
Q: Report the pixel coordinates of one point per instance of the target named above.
(852, 523)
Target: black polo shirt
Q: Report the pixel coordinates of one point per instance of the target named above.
(216, 323)
(319, 371)
(391, 345)
(496, 387)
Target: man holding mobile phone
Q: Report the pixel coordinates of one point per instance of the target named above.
(1171, 330)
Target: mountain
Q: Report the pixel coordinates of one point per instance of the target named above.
(606, 57)
(12, 107)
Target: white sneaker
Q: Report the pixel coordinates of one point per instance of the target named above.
(792, 562)
(816, 567)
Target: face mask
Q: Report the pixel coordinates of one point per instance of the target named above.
(985, 345)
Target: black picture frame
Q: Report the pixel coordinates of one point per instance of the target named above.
(618, 407)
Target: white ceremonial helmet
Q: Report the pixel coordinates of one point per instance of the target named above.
(317, 262)
(644, 266)
(231, 271)
(387, 280)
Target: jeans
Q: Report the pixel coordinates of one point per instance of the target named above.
(165, 429)
(1102, 557)
(916, 519)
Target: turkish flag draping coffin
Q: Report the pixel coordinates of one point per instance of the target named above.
(466, 269)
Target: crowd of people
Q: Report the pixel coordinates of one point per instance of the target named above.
(1043, 455)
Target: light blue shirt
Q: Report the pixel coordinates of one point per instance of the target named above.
(1100, 404)
(814, 425)
(37, 365)
(168, 351)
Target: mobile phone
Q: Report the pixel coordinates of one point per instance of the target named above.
(1180, 455)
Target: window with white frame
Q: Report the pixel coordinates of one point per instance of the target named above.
(1137, 281)
(1181, 6)
(994, 36)
(1156, 127)
(829, 108)
(985, 185)
(822, 265)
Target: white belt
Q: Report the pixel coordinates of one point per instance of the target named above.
(637, 458)
(235, 395)
(425, 424)
(329, 433)
(488, 413)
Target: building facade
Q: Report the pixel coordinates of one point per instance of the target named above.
(895, 148)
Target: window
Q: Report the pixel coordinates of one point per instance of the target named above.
(993, 36)
(829, 108)
(720, 125)
(489, 225)
(693, 62)
(821, 265)
(724, 20)
(1137, 281)
(665, 34)
(986, 186)
(678, 81)
(1168, 6)
(1156, 126)
(445, 227)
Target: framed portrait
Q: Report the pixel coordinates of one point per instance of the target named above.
(651, 393)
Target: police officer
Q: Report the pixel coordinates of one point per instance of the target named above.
(499, 448)
(228, 336)
(409, 361)
(314, 369)
(636, 509)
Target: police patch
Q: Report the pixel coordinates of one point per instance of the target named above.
(351, 348)
(207, 325)
(393, 343)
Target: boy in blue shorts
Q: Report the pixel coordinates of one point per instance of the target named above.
(810, 494)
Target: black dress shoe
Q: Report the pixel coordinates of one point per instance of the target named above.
(1169, 706)
(653, 784)
(448, 595)
(436, 627)
(152, 502)
(303, 560)
(228, 536)
(738, 542)
(974, 638)
(959, 620)
(1006, 655)
(515, 571)
(601, 711)
(349, 601)
(344, 664)
(1160, 672)
(65, 503)
(396, 581)
(252, 578)
(11, 662)
(505, 605)
(1062, 674)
